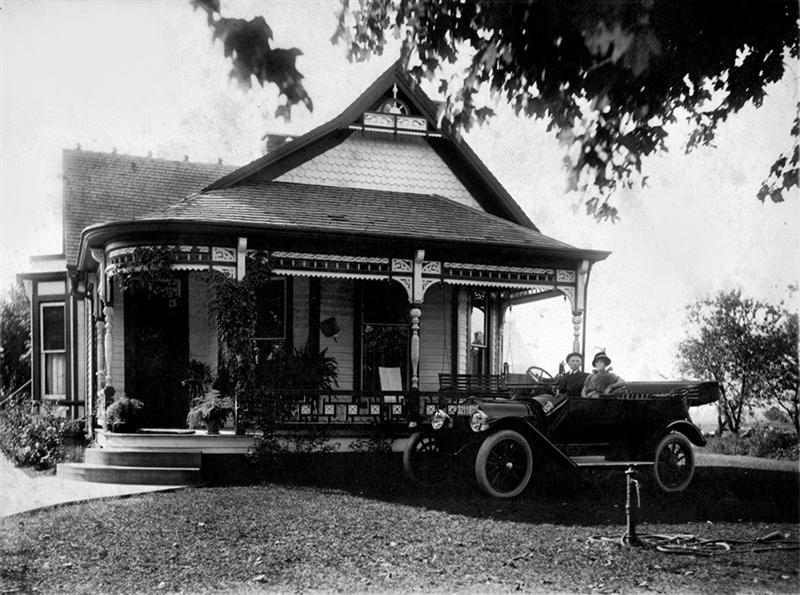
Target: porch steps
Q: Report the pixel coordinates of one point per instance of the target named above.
(135, 467)
(176, 476)
(142, 458)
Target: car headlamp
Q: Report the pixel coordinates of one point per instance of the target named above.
(439, 420)
(478, 421)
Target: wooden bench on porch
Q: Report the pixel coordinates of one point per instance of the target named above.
(481, 383)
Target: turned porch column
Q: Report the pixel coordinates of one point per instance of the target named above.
(108, 313)
(415, 313)
(577, 329)
(100, 332)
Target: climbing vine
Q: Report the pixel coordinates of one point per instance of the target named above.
(149, 272)
(234, 303)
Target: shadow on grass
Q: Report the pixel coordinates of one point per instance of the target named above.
(590, 497)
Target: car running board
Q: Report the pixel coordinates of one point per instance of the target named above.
(589, 461)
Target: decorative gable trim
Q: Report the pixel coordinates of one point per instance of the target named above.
(450, 146)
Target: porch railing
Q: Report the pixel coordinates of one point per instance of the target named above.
(369, 407)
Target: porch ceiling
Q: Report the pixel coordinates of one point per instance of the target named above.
(355, 211)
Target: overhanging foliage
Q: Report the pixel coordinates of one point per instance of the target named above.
(608, 76)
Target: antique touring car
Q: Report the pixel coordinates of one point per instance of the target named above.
(640, 422)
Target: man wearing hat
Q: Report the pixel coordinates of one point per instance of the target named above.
(571, 382)
(601, 381)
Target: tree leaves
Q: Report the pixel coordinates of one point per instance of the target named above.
(784, 173)
(247, 44)
(595, 69)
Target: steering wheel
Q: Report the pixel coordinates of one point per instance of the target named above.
(538, 374)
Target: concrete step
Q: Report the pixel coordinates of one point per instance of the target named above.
(136, 458)
(129, 475)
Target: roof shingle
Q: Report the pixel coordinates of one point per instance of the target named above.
(357, 211)
(100, 187)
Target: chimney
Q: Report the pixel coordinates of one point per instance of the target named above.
(273, 141)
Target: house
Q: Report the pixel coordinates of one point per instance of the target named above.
(391, 246)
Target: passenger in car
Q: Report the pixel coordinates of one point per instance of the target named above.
(571, 382)
(601, 381)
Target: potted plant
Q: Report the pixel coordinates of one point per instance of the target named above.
(123, 414)
(211, 410)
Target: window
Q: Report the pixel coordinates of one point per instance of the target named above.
(271, 310)
(478, 333)
(53, 351)
(384, 331)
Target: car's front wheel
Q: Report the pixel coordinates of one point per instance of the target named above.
(674, 463)
(423, 460)
(504, 464)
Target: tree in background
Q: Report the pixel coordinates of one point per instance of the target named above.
(746, 346)
(608, 76)
(782, 383)
(15, 334)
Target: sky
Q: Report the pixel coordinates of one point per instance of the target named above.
(145, 77)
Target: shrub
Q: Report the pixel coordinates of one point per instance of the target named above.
(32, 435)
(763, 440)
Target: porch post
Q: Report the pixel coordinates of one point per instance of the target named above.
(417, 294)
(100, 332)
(579, 314)
(108, 313)
(577, 327)
(241, 258)
(415, 313)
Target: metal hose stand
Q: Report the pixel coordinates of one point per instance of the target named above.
(629, 538)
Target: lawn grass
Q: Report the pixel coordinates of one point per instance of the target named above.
(378, 536)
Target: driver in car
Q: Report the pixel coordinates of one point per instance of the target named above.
(571, 382)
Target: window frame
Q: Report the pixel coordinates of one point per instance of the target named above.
(43, 353)
(479, 349)
(285, 321)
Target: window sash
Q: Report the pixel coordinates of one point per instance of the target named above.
(53, 360)
(283, 300)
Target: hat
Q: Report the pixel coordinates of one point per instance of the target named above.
(574, 353)
(601, 356)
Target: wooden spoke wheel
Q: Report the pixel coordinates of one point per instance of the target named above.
(674, 463)
(504, 464)
(423, 460)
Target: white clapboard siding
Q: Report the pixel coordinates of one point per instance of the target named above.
(463, 330)
(80, 350)
(118, 340)
(199, 328)
(337, 300)
(435, 336)
(299, 303)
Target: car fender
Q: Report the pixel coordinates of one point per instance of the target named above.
(534, 437)
(688, 429)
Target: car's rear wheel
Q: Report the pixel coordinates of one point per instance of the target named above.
(423, 460)
(674, 463)
(504, 464)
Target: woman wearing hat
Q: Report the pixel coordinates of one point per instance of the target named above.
(571, 382)
(601, 381)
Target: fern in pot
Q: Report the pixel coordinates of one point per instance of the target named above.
(210, 410)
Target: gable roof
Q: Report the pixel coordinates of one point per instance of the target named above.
(451, 147)
(285, 206)
(101, 187)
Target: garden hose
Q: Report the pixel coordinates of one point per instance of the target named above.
(686, 544)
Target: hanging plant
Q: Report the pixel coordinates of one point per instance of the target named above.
(149, 273)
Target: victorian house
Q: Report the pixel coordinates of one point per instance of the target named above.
(391, 245)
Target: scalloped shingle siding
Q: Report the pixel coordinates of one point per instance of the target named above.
(371, 162)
